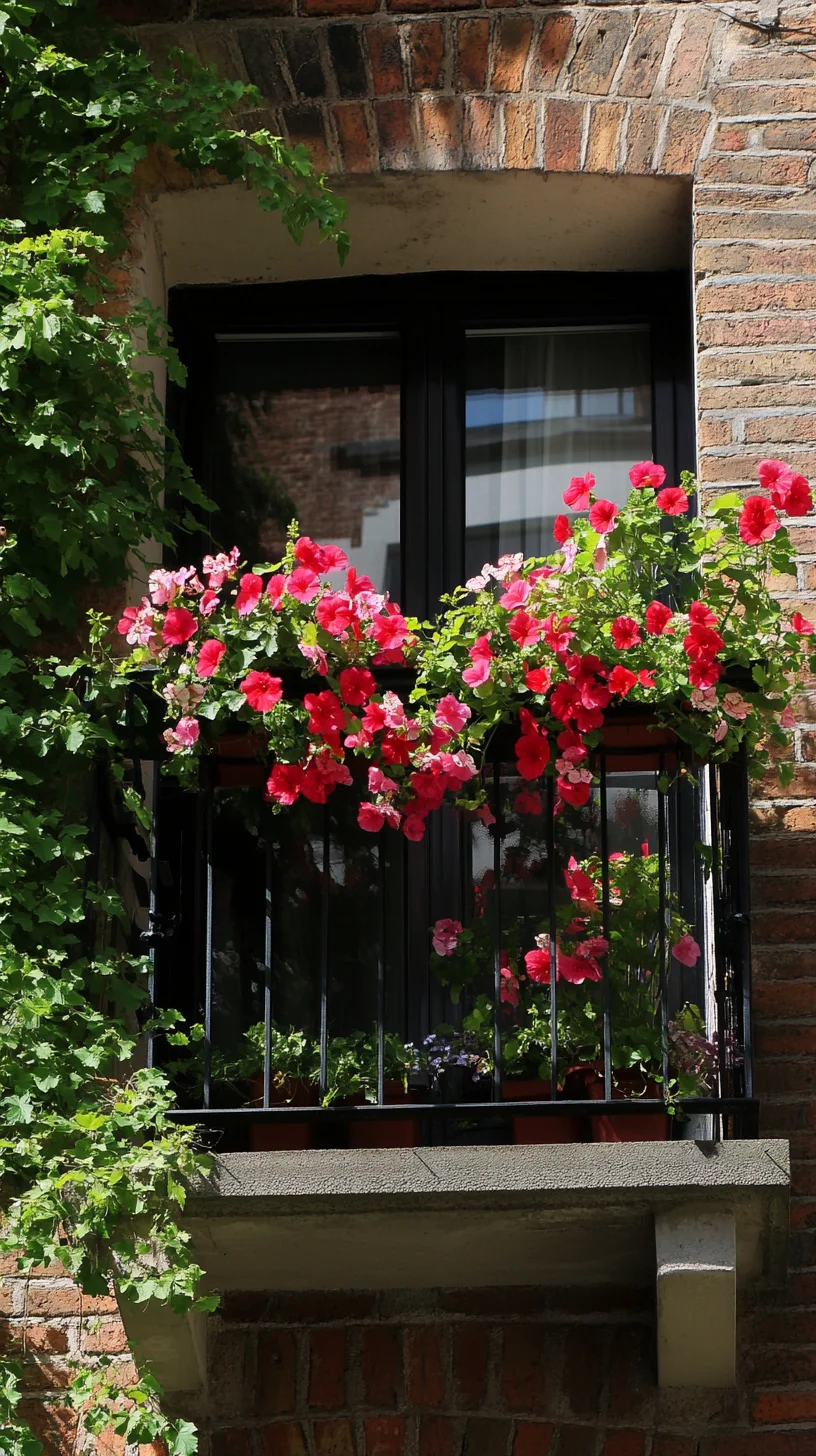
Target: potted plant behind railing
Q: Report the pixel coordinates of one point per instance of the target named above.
(294, 1060)
(353, 1078)
(640, 605)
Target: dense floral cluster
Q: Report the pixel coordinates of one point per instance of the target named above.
(645, 603)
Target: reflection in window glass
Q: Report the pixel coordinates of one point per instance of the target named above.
(309, 428)
(543, 406)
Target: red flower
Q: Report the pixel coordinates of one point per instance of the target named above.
(702, 643)
(391, 631)
(309, 554)
(798, 500)
(178, 627)
(515, 596)
(532, 755)
(209, 656)
(538, 679)
(647, 474)
(602, 516)
(625, 633)
(481, 657)
(524, 629)
(704, 674)
(556, 634)
(356, 685)
(284, 783)
(249, 594)
(562, 530)
(576, 794)
(538, 966)
(303, 584)
(577, 493)
(621, 680)
(528, 802)
(333, 613)
(413, 827)
(646, 677)
(801, 625)
(673, 501)
(658, 616)
(261, 691)
(275, 587)
(334, 559)
(758, 521)
(370, 817)
(776, 477)
(326, 714)
(701, 615)
(564, 702)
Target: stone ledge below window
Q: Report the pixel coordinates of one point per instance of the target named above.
(697, 1220)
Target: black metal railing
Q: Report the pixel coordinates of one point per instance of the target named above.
(301, 947)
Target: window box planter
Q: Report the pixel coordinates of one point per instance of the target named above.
(633, 1127)
(549, 1128)
(386, 1132)
(286, 1134)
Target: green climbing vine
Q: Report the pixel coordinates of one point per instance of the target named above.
(92, 1170)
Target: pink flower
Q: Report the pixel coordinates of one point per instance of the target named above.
(249, 594)
(673, 501)
(524, 629)
(285, 783)
(261, 691)
(562, 530)
(658, 616)
(801, 625)
(327, 716)
(334, 559)
(208, 603)
(578, 968)
(334, 613)
(450, 713)
(528, 802)
(221, 568)
(625, 633)
(574, 792)
(275, 587)
(621, 680)
(137, 624)
(537, 963)
(647, 474)
(390, 631)
(798, 500)
(720, 731)
(775, 476)
(446, 936)
(209, 656)
(705, 700)
(178, 627)
(481, 657)
(515, 596)
(735, 706)
(758, 521)
(602, 516)
(356, 685)
(184, 735)
(303, 584)
(577, 493)
(316, 656)
(538, 679)
(370, 817)
(509, 986)
(686, 951)
(413, 827)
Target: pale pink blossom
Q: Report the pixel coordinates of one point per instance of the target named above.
(686, 951)
(450, 713)
(735, 706)
(446, 936)
(183, 736)
(704, 699)
(720, 731)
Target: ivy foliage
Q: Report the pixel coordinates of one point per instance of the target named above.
(93, 1171)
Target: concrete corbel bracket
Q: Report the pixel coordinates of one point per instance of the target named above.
(696, 1250)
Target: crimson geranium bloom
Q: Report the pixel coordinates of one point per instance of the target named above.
(538, 966)
(356, 685)
(647, 474)
(657, 619)
(284, 783)
(602, 516)
(209, 657)
(672, 501)
(249, 594)
(577, 493)
(625, 633)
(178, 627)
(562, 530)
(758, 521)
(262, 691)
(621, 680)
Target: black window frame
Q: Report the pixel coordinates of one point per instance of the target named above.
(432, 313)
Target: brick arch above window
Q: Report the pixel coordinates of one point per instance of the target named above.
(578, 88)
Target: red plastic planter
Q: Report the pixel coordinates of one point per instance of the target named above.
(289, 1134)
(636, 1127)
(556, 1129)
(386, 1132)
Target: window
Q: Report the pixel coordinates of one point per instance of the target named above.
(427, 425)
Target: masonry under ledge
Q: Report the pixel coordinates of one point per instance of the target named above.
(698, 1220)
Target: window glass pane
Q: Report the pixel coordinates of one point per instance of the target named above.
(543, 406)
(309, 428)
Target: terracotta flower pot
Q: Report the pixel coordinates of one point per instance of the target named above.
(386, 1132)
(288, 1134)
(556, 1129)
(636, 1127)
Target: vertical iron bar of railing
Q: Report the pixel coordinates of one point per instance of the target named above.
(152, 899)
(662, 869)
(607, 987)
(381, 968)
(497, 931)
(208, 942)
(324, 956)
(553, 926)
(717, 876)
(268, 869)
(740, 836)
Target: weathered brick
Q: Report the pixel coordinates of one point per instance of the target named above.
(480, 143)
(414, 5)
(599, 52)
(104, 1338)
(582, 1380)
(764, 171)
(624, 1443)
(385, 57)
(231, 1441)
(532, 1438)
(785, 1406)
(395, 133)
(283, 1438)
(684, 138)
(426, 55)
(380, 1364)
(641, 138)
(645, 53)
(523, 1369)
(510, 51)
(348, 62)
(275, 1390)
(385, 1436)
(760, 1443)
(519, 133)
(471, 52)
(631, 1375)
(45, 1338)
(485, 1436)
(577, 1441)
(305, 68)
(327, 1369)
(304, 125)
(469, 1365)
(763, 102)
(50, 1303)
(562, 135)
(337, 7)
(605, 122)
(791, 134)
(352, 132)
(688, 65)
(334, 1438)
(747, 297)
(551, 51)
(439, 1437)
(664, 1445)
(439, 127)
(425, 1365)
